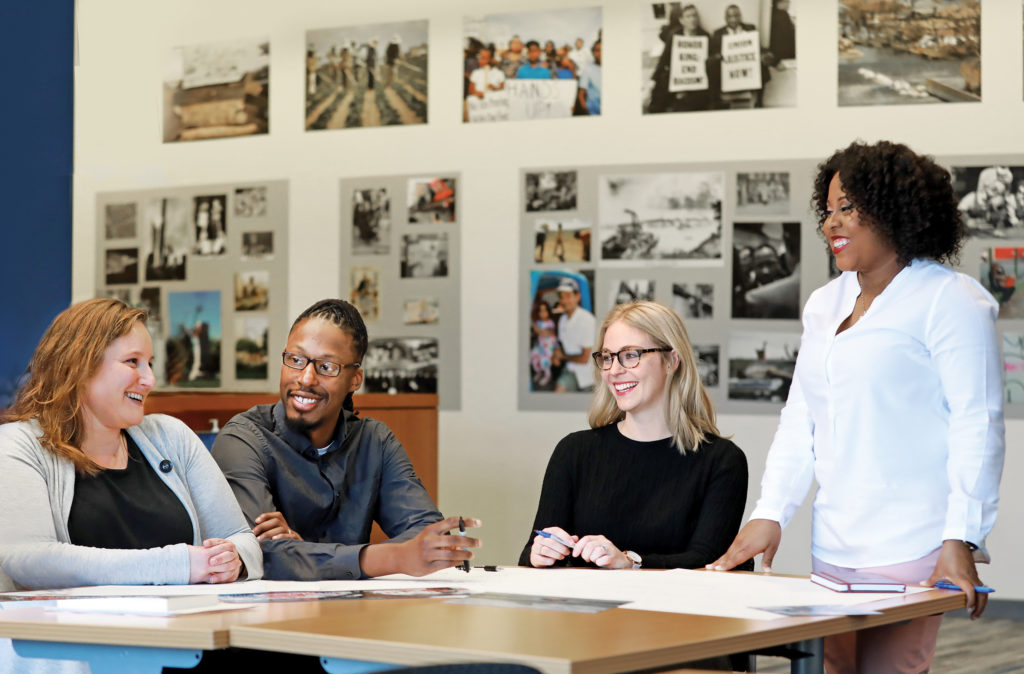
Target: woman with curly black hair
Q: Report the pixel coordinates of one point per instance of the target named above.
(896, 402)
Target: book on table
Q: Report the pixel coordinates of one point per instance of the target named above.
(143, 604)
(855, 581)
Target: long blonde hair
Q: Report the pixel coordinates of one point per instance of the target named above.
(689, 412)
(67, 357)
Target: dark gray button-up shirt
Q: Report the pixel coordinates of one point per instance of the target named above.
(330, 500)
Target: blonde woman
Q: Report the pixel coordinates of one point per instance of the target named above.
(651, 484)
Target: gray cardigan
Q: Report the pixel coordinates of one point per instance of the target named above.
(37, 487)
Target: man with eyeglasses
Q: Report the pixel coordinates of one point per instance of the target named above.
(312, 477)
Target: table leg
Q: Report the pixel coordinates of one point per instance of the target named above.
(108, 659)
(808, 657)
(340, 666)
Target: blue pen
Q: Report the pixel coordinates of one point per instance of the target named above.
(556, 539)
(946, 585)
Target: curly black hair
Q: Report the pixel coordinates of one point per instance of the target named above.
(346, 317)
(904, 196)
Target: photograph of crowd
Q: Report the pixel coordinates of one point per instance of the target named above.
(623, 291)
(122, 266)
(760, 194)
(371, 75)
(1013, 367)
(991, 199)
(168, 239)
(216, 90)
(251, 339)
(562, 328)
(257, 245)
(252, 290)
(532, 65)
(365, 292)
(661, 216)
(431, 200)
(905, 52)
(766, 270)
(424, 255)
(693, 300)
(707, 363)
(208, 221)
(1002, 273)
(761, 365)
(551, 191)
(714, 55)
(251, 202)
(421, 311)
(193, 347)
(119, 221)
(401, 365)
(561, 240)
(371, 222)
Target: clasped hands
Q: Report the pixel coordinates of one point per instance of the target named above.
(217, 561)
(593, 548)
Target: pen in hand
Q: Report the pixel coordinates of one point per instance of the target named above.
(556, 539)
(946, 585)
(462, 532)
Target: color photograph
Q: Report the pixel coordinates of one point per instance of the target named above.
(400, 365)
(208, 221)
(761, 365)
(424, 256)
(119, 221)
(371, 75)
(1013, 367)
(661, 216)
(252, 290)
(122, 266)
(561, 316)
(760, 194)
(991, 200)
(193, 343)
(1002, 273)
(371, 222)
(766, 270)
(431, 200)
(532, 65)
(251, 339)
(693, 300)
(216, 90)
(421, 311)
(561, 240)
(251, 202)
(909, 52)
(551, 191)
(365, 292)
(168, 239)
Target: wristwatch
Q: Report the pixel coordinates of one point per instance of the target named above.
(636, 559)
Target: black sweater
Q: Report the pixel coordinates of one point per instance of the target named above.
(676, 510)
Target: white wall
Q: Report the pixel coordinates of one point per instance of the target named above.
(492, 457)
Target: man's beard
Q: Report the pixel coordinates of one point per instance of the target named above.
(301, 425)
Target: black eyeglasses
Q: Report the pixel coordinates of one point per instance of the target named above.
(324, 368)
(628, 358)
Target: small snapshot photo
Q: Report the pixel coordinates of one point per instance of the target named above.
(252, 290)
(623, 291)
(401, 365)
(424, 256)
(532, 65)
(661, 216)
(760, 194)
(211, 230)
(907, 52)
(370, 75)
(168, 238)
(251, 338)
(431, 200)
(761, 365)
(257, 245)
(991, 200)
(371, 222)
(217, 90)
(551, 191)
(707, 363)
(561, 240)
(421, 311)
(693, 300)
(121, 294)
(561, 326)
(119, 221)
(365, 292)
(713, 55)
(1013, 367)
(149, 299)
(121, 266)
(251, 202)
(766, 270)
(193, 342)
(1002, 273)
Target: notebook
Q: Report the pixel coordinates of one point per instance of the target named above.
(853, 581)
(147, 605)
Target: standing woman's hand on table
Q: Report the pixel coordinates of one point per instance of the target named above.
(956, 564)
(757, 537)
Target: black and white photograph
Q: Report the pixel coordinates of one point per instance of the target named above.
(216, 90)
(149, 299)
(532, 65)
(561, 240)
(714, 55)
(365, 292)
(122, 294)
(761, 365)
(661, 216)
(193, 343)
(424, 255)
(759, 194)
(168, 239)
(556, 295)
(1013, 366)
(251, 345)
(421, 311)
(1001, 271)
(371, 222)
(991, 200)
(401, 365)
(250, 202)
(909, 52)
(252, 290)
(258, 245)
(766, 270)
(551, 191)
(122, 266)
(366, 76)
(693, 300)
(630, 290)
(431, 200)
(119, 221)
(210, 224)
(707, 363)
